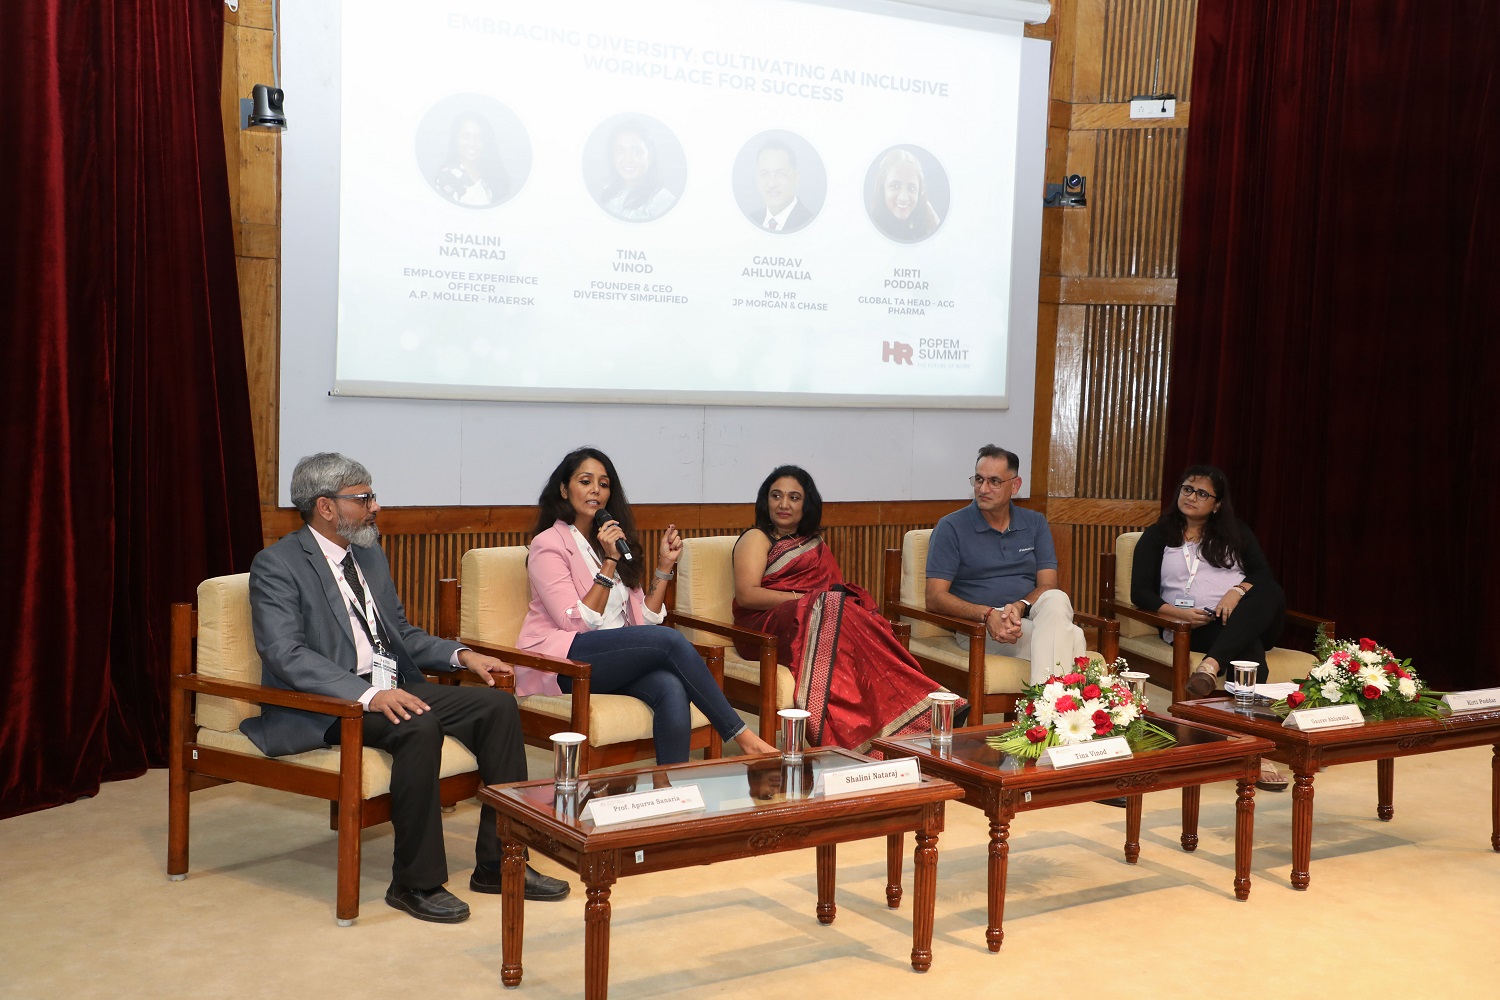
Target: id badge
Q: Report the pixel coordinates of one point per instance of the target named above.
(383, 671)
(1183, 602)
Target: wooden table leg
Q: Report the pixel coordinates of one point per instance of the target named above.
(598, 877)
(512, 910)
(1132, 829)
(924, 899)
(1495, 798)
(1191, 796)
(893, 851)
(827, 860)
(999, 870)
(1385, 783)
(1302, 820)
(1244, 835)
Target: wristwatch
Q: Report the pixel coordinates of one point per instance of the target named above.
(1027, 605)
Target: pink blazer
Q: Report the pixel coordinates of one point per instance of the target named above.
(559, 578)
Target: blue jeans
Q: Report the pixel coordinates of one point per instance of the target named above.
(661, 668)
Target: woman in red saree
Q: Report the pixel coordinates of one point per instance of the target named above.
(853, 676)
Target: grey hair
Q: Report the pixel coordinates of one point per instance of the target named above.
(323, 475)
(995, 451)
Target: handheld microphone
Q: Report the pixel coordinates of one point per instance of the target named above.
(601, 518)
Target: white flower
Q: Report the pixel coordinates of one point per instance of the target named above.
(1332, 691)
(1092, 705)
(1074, 727)
(1052, 692)
(1324, 672)
(1044, 712)
(1375, 676)
(1369, 656)
(1125, 714)
(1408, 688)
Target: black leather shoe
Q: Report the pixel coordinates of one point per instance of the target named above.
(1119, 803)
(961, 717)
(543, 888)
(438, 905)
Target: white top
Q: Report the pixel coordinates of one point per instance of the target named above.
(616, 612)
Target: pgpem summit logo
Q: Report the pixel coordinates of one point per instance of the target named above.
(929, 352)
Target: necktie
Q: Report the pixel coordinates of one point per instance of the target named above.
(351, 574)
(772, 224)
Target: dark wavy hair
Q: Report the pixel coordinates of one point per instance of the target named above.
(643, 190)
(812, 501)
(1223, 539)
(553, 506)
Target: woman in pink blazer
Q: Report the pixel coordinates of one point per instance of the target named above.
(587, 604)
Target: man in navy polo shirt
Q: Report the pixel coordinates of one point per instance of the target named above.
(993, 562)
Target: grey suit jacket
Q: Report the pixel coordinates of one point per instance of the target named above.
(306, 641)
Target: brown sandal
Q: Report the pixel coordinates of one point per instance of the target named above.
(1201, 684)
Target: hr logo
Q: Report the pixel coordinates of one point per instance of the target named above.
(895, 351)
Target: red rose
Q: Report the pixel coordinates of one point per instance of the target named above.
(1371, 691)
(1102, 723)
(1036, 734)
(1295, 698)
(1074, 678)
(1066, 703)
(1081, 662)
(1368, 645)
(1092, 691)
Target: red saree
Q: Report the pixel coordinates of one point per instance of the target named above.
(852, 674)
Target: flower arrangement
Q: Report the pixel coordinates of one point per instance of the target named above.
(1090, 701)
(1365, 674)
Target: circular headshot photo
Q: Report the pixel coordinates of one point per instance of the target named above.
(473, 151)
(779, 181)
(634, 167)
(906, 194)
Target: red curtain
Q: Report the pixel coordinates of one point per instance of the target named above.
(1336, 344)
(127, 423)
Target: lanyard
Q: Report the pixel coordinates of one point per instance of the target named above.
(1192, 565)
(370, 622)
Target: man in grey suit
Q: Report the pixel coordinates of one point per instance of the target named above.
(327, 621)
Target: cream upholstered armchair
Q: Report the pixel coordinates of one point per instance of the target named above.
(485, 611)
(990, 681)
(216, 685)
(1140, 630)
(702, 611)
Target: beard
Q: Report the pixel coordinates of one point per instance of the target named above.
(358, 532)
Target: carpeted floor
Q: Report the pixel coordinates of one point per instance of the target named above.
(1405, 908)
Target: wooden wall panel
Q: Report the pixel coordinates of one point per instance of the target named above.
(1123, 422)
(1147, 48)
(1137, 184)
(1089, 540)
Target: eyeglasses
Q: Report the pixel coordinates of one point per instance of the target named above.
(994, 482)
(1191, 491)
(364, 499)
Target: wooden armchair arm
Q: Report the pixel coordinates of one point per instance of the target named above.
(1310, 622)
(263, 695)
(974, 630)
(677, 619)
(536, 661)
(1155, 620)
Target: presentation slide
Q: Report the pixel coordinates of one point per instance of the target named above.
(736, 202)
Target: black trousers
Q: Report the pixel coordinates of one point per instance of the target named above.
(484, 720)
(1251, 630)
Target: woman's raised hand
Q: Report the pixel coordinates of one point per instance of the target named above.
(671, 548)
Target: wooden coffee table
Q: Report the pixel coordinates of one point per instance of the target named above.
(754, 805)
(1307, 753)
(1003, 786)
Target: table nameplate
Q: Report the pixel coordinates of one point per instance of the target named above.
(866, 777)
(643, 805)
(1085, 753)
(1312, 720)
(1472, 701)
